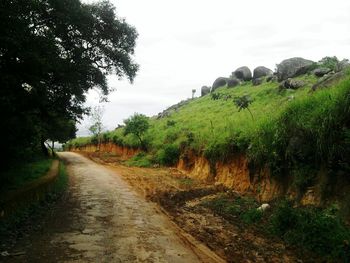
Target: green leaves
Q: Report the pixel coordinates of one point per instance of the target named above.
(137, 125)
(61, 49)
(243, 102)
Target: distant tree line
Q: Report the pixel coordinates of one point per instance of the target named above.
(51, 53)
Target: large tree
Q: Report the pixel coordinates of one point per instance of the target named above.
(51, 53)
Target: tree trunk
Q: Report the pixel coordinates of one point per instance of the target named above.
(53, 148)
(143, 147)
(251, 114)
(43, 147)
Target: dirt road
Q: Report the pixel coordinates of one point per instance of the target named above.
(104, 220)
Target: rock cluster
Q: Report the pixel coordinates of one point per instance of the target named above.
(291, 84)
(285, 72)
(171, 109)
(342, 65)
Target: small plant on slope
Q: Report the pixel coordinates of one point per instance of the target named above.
(243, 103)
(97, 127)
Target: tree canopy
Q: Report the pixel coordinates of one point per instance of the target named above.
(137, 125)
(51, 53)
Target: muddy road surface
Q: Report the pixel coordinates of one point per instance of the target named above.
(103, 219)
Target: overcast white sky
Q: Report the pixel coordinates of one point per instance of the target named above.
(185, 44)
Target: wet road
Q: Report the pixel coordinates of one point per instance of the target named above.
(104, 220)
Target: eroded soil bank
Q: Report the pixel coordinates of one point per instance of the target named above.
(233, 174)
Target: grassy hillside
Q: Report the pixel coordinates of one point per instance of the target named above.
(288, 128)
(210, 121)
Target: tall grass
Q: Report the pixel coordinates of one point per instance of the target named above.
(310, 132)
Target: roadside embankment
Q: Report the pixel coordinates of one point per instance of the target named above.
(121, 151)
(234, 174)
(32, 192)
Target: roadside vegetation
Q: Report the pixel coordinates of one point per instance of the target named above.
(31, 216)
(316, 230)
(23, 173)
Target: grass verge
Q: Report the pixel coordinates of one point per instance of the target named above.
(30, 217)
(16, 177)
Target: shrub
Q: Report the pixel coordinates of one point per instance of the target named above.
(314, 229)
(243, 207)
(284, 218)
(169, 155)
(170, 123)
(140, 160)
(219, 150)
(117, 140)
(329, 62)
(252, 216)
(105, 137)
(215, 96)
(171, 136)
(94, 140)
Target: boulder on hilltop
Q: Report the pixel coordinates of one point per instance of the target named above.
(293, 67)
(205, 90)
(219, 82)
(320, 72)
(257, 81)
(291, 84)
(243, 73)
(342, 65)
(261, 71)
(233, 82)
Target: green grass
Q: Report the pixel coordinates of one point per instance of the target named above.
(238, 207)
(140, 160)
(23, 173)
(80, 141)
(318, 230)
(27, 217)
(61, 182)
(186, 181)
